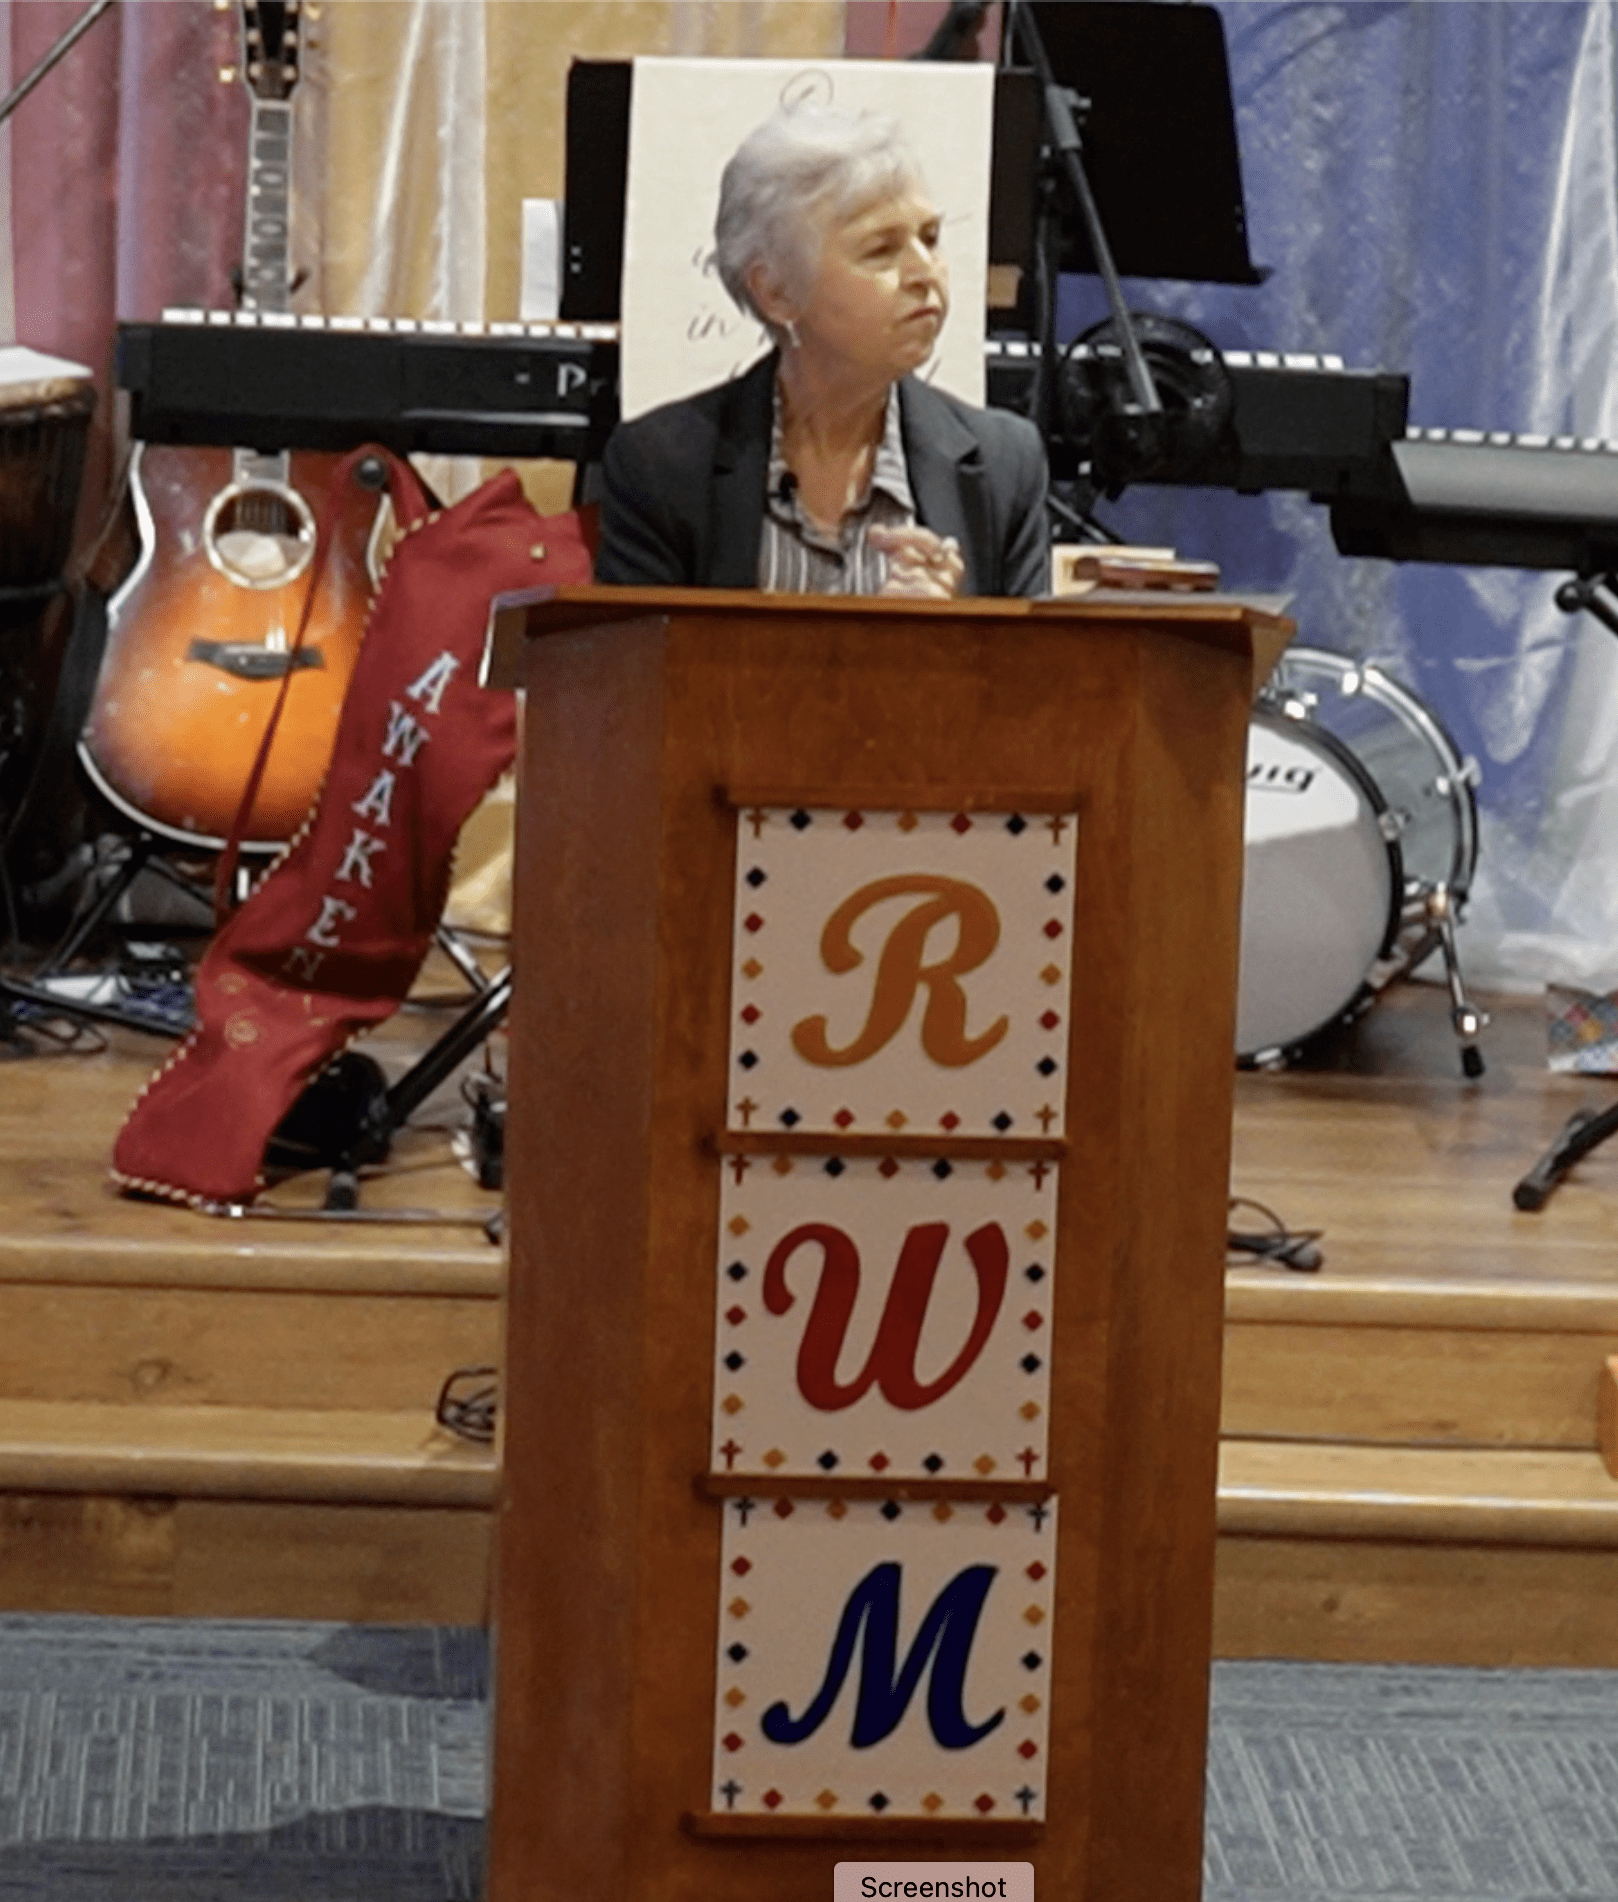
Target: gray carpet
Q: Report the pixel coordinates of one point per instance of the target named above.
(250, 1762)
(145, 1761)
(1336, 1781)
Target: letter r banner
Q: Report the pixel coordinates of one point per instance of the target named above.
(898, 970)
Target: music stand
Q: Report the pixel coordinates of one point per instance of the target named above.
(1159, 138)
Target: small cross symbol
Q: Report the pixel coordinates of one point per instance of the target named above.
(1026, 1797)
(730, 1449)
(731, 1790)
(1058, 826)
(746, 1107)
(1046, 1116)
(1039, 1513)
(741, 1164)
(1029, 1458)
(757, 819)
(1037, 1170)
(744, 1507)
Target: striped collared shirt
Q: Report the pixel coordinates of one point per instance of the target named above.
(797, 557)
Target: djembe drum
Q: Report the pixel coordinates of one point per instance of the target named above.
(45, 410)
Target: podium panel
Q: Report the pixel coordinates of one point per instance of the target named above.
(868, 1154)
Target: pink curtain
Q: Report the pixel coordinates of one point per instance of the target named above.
(128, 169)
(127, 179)
(899, 29)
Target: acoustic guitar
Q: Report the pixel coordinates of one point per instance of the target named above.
(200, 634)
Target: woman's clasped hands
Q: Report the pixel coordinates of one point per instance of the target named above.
(920, 563)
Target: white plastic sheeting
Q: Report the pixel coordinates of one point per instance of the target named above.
(1436, 189)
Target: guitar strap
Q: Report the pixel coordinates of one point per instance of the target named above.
(410, 507)
(331, 938)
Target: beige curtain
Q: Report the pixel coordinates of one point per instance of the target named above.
(422, 126)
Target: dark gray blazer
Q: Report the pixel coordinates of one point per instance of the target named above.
(683, 501)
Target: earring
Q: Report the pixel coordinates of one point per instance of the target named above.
(794, 341)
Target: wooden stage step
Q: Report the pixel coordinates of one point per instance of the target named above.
(1448, 1556)
(1410, 1468)
(235, 1417)
(1410, 1362)
(1443, 1316)
(1276, 1489)
(227, 1418)
(323, 1455)
(106, 1299)
(247, 1326)
(242, 1511)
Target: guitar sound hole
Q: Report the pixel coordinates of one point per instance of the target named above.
(259, 535)
(260, 512)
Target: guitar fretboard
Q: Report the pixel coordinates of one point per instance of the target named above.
(266, 274)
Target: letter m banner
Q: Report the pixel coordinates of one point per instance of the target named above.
(869, 1624)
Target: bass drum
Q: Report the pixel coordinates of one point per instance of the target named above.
(1359, 808)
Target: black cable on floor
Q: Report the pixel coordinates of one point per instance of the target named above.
(1292, 1248)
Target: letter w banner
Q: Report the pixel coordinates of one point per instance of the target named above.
(332, 937)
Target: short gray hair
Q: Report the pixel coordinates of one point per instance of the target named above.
(800, 161)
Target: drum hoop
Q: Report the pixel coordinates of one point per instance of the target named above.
(1404, 705)
(69, 406)
(1403, 702)
(1343, 755)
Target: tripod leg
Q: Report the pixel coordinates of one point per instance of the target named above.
(450, 944)
(342, 1188)
(458, 1042)
(140, 850)
(381, 1118)
(1583, 1131)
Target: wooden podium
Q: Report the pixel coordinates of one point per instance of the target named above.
(848, 931)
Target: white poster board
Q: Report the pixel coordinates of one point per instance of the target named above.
(681, 332)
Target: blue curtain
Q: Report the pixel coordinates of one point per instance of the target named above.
(1435, 188)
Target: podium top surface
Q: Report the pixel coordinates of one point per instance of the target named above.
(1249, 624)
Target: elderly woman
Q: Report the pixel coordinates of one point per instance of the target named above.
(829, 467)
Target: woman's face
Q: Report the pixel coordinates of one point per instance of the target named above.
(880, 290)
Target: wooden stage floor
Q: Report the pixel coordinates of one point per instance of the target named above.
(1378, 1140)
(1411, 1467)
(1408, 1166)
(59, 1115)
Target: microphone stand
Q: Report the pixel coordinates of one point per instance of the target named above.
(1021, 31)
(1145, 410)
(1585, 1129)
(58, 52)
